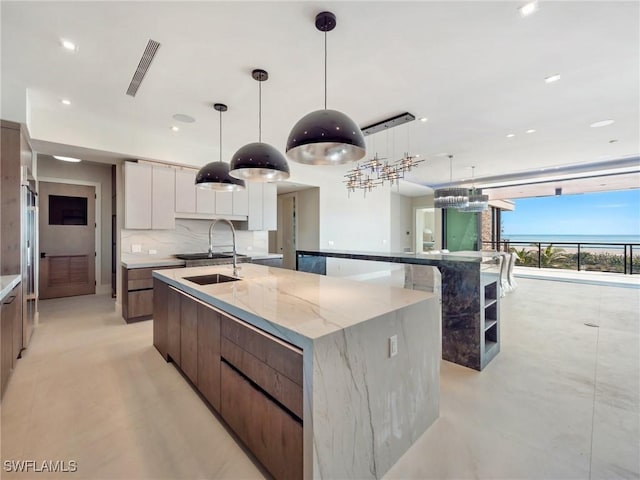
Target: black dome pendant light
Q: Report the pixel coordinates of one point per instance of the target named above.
(325, 137)
(215, 175)
(259, 162)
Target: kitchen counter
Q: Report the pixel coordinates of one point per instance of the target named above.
(132, 260)
(8, 283)
(470, 286)
(350, 377)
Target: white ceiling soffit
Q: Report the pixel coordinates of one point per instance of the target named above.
(476, 70)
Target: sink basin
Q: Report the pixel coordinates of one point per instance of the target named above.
(202, 256)
(211, 279)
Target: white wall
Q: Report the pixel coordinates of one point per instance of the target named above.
(427, 201)
(308, 218)
(88, 172)
(401, 223)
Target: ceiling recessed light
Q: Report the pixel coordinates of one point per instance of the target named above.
(511, 135)
(181, 117)
(69, 45)
(67, 159)
(174, 128)
(602, 123)
(423, 119)
(65, 101)
(613, 140)
(528, 9)
(531, 130)
(552, 78)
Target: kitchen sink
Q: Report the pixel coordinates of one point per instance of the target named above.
(211, 279)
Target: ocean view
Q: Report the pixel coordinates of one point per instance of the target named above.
(605, 239)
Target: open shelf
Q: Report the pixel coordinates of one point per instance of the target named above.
(490, 292)
(489, 323)
(489, 345)
(490, 302)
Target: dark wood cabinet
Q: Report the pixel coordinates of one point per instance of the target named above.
(137, 293)
(160, 316)
(253, 379)
(209, 354)
(10, 334)
(189, 337)
(272, 434)
(173, 324)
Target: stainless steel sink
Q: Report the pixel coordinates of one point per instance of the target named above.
(211, 279)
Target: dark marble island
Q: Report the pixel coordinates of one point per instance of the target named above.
(470, 296)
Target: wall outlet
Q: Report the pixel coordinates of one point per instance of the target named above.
(136, 248)
(393, 346)
(152, 251)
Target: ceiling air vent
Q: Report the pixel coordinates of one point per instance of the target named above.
(143, 66)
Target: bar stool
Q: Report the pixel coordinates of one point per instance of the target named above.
(504, 269)
(510, 278)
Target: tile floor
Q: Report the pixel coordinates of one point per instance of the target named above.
(560, 401)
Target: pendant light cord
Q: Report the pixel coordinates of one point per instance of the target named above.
(450, 169)
(260, 111)
(221, 135)
(325, 70)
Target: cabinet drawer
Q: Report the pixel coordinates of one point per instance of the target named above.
(140, 303)
(140, 284)
(280, 356)
(273, 382)
(140, 273)
(274, 436)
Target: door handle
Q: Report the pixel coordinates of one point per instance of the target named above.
(43, 254)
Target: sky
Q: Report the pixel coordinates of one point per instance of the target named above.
(602, 213)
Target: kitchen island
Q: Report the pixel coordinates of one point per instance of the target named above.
(470, 296)
(319, 377)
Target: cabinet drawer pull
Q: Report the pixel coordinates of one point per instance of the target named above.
(10, 300)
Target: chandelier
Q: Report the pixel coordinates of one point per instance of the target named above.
(453, 197)
(477, 201)
(374, 172)
(368, 174)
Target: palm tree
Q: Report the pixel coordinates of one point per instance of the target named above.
(552, 257)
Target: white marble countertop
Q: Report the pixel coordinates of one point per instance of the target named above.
(7, 283)
(295, 306)
(132, 260)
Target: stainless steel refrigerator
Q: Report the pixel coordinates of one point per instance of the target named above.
(29, 208)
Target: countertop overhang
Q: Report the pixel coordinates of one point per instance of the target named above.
(297, 306)
(405, 257)
(8, 283)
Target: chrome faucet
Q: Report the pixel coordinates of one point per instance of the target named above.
(233, 236)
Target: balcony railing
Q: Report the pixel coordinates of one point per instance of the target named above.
(598, 257)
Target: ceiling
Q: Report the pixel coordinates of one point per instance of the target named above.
(476, 70)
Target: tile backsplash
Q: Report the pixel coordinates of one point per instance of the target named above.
(191, 236)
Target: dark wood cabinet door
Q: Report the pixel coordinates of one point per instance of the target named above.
(16, 315)
(273, 435)
(160, 316)
(209, 354)
(173, 324)
(6, 340)
(189, 337)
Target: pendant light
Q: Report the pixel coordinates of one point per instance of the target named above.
(477, 201)
(215, 175)
(325, 137)
(259, 162)
(451, 197)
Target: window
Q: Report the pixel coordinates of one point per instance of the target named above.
(67, 210)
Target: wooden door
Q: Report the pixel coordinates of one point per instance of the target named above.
(289, 232)
(67, 240)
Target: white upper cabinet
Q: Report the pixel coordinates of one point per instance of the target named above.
(205, 201)
(263, 206)
(163, 195)
(224, 203)
(185, 191)
(137, 195)
(149, 193)
(241, 202)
